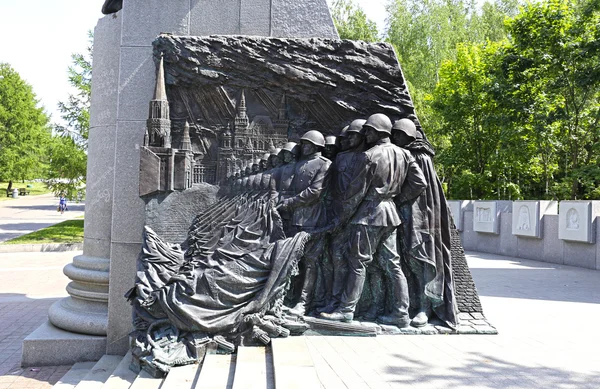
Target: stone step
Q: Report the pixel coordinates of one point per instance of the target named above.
(122, 377)
(293, 365)
(286, 364)
(100, 373)
(253, 368)
(75, 375)
(145, 381)
(182, 377)
(217, 372)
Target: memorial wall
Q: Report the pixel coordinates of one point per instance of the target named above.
(562, 232)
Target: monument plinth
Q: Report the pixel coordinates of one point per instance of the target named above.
(123, 82)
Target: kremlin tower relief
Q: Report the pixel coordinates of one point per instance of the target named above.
(203, 135)
(240, 146)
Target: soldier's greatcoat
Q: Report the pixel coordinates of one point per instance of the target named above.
(311, 177)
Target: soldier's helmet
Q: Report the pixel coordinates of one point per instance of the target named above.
(275, 152)
(266, 156)
(357, 126)
(344, 132)
(379, 122)
(314, 137)
(330, 140)
(292, 147)
(407, 126)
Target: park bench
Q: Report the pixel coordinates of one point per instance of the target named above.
(23, 192)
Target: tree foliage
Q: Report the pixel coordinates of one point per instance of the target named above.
(507, 91)
(535, 97)
(24, 130)
(352, 22)
(76, 110)
(68, 163)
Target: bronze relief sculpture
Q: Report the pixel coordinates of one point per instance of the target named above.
(328, 218)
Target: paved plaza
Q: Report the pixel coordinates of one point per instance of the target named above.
(547, 316)
(31, 213)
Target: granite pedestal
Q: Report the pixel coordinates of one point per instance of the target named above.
(123, 81)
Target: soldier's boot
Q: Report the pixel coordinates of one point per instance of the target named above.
(422, 318)
(399, 315)
(306, 294)
(401, 321)
(338, 316)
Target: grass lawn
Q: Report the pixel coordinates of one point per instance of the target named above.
(69, 231)
(37, 188)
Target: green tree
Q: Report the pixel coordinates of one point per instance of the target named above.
(425, 34)
(554, 68)
(68, 162)
(480, 160)
(76, 110)
(67, 167)
(352, 22)
(24, 130)
(521, 117)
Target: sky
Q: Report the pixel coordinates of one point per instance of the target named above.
(38, 37)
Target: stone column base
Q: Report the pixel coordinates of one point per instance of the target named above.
(85, 311)
(51, 346)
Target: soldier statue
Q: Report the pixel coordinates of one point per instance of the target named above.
(425, 238)
(331, 147)
(272, 163)
(281, 181)
(344, 171)
(311, 176)
(387, 172)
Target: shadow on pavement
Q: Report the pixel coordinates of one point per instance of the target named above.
(570, 285)
(21, 315)
(481, 370)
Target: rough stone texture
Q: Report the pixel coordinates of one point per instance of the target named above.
(553, 247)
(49, 345)
(170, 215)
(143, 20)
(122, 276)
(579, 254)
(103, 103)
(456, 210)
(215, 17)
(530, 248)
(469, 237)
(508, 241)
(301, 19)
(467, 298)
(255, 17)
(99, 191)
(597, 248)
(128, 208)
(336, 81)
(136, 83)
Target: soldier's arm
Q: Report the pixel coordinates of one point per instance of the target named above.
(275, 178)
(356, 189)
(414, 184)
(312, 194)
